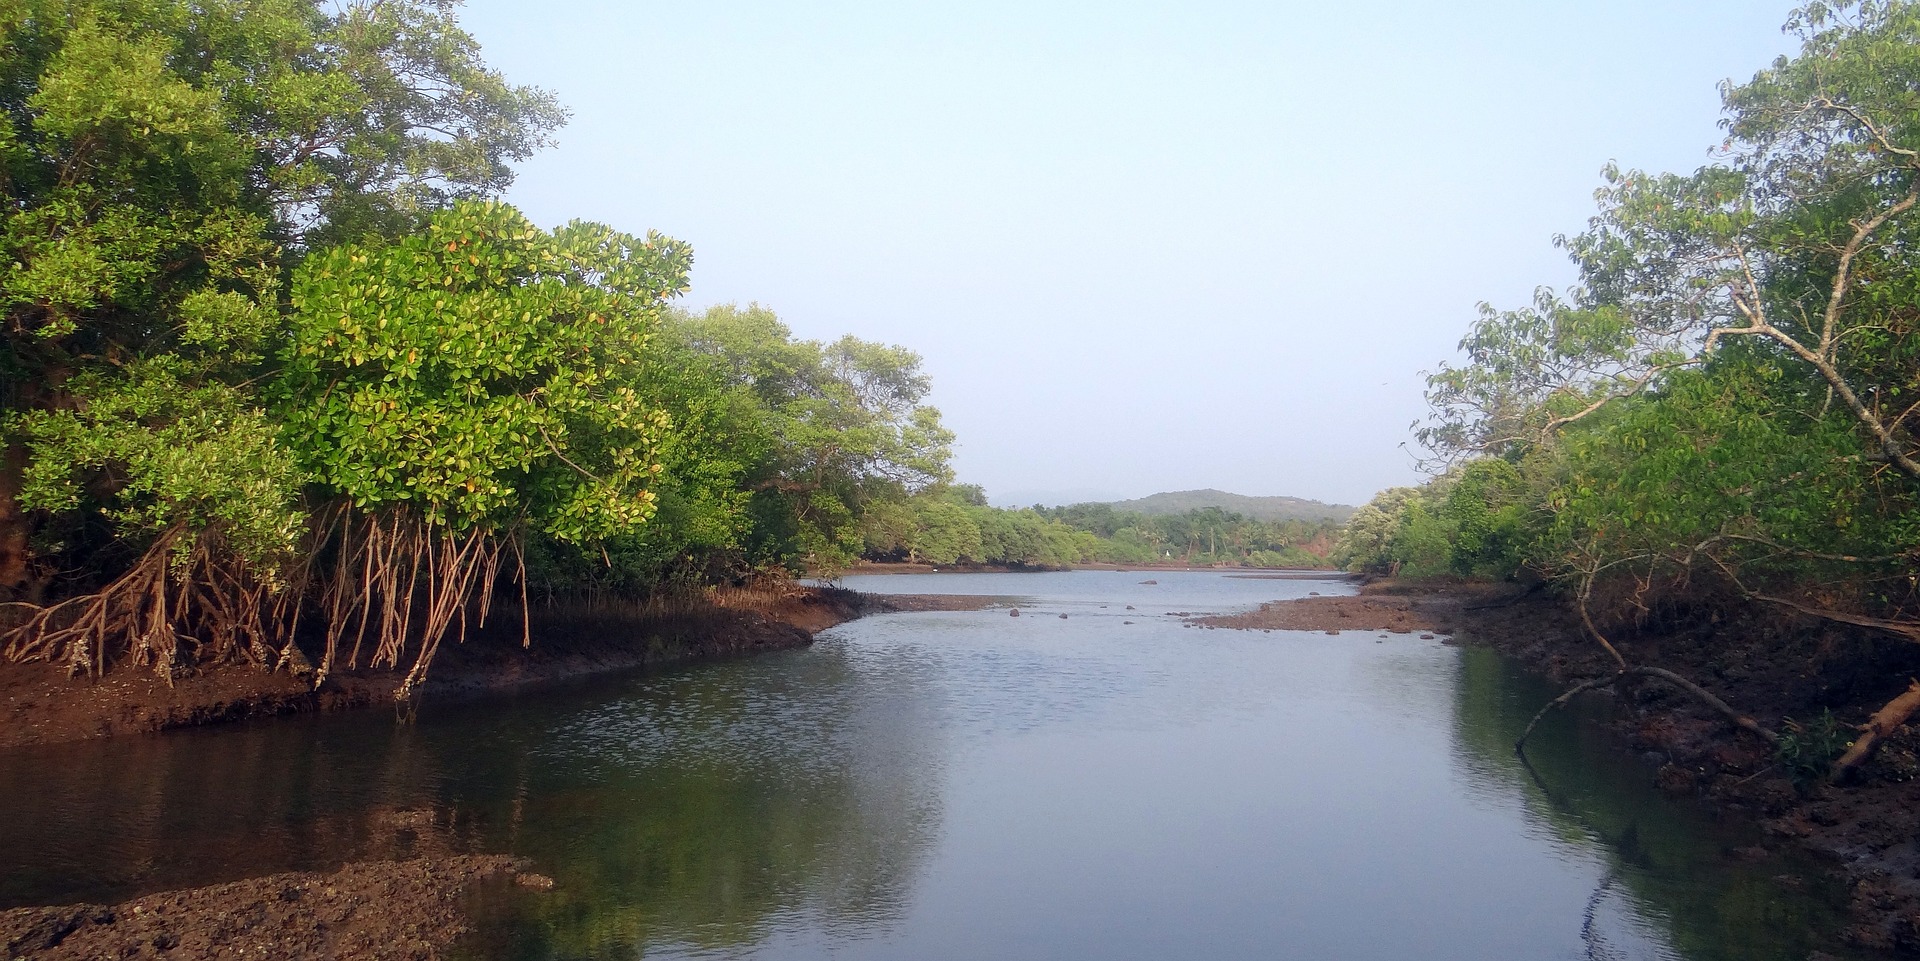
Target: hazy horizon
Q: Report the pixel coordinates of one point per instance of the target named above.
(1142, 246)
(1061, 497)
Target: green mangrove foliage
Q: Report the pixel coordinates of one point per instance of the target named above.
(457, 390)
(953, 524)
(1723, 408)
(844, 425)
(272, 356)
(164, 164)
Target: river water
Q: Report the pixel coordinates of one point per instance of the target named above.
(961, 785)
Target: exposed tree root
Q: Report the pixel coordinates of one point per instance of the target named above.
(402, 584)
(1520, 746)
(184, 601)
(389, 587)
(1904, 629)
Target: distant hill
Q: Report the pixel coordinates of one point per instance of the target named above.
(1259, 508)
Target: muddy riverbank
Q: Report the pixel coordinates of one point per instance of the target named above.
(405, 910)
(378, 910)
(1769, 668)
(666, 806)
(40, 704)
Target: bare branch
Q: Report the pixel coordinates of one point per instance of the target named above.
(1844, 270)
(1880, 136)
(1638, 386)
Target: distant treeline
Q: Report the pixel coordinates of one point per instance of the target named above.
(952, 523)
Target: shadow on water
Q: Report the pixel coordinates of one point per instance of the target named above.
(1669, 864)
(688, 808)
(1094, 780)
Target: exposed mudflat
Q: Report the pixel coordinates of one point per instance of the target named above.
(375, 910)
(1365, 612)
(936, 602)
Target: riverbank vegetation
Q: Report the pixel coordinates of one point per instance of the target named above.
(283, 385)
(953, 524)
(1716, 424)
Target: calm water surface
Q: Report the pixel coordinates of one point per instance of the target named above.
(971, 785)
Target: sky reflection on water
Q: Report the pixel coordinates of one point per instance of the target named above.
(965, 785)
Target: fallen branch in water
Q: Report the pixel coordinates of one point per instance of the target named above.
(1625, 671)
(1699, 693)
(1520, 746)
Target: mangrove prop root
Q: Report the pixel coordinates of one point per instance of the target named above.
(185, 599)
(397, 585)
(1624, 671)
(1586, 594)
(389, 587)
(1699, 693)
(1734, 717)
(1884, 722)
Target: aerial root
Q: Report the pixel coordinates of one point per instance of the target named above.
(400, 585)
(182, 601)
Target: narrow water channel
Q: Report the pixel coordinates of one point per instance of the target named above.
(1113, 784)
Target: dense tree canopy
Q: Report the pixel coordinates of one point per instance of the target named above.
(163, 165)
(1733, 383)
(1722, 411)
(273, 355)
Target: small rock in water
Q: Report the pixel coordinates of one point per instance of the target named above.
(1126, 622)
(1149, 582)
(1063, 617)
(538, 882)
(1129, 607)
(1426, 637)
(1333, 632)
(1313, 593)
(1014, 613)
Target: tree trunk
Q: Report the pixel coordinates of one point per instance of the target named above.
(1883, 723)
(15, 572)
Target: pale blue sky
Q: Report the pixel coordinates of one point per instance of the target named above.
(1142, 246)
